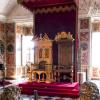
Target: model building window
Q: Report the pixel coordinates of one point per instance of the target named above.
(46, 53)
(40, 53)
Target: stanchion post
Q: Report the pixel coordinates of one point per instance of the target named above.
(35, 95)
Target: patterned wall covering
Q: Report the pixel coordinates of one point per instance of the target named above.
(96, 26)
(2, 43)
(84, 31)
(2, 27)
(10, 48)
(24, 30)
(7, 46)
(95, 73)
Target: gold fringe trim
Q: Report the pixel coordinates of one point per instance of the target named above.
(54, 9)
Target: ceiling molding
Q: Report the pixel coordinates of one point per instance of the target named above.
(90, 8)
(10, 10)
(19, 13)
(3, 18)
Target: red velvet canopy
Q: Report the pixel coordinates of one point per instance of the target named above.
(34, 4)
(52, 16)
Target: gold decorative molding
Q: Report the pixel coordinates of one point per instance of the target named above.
(42, 40)
(64, 35)
(24, 30)
(41, 37)
(54, 9)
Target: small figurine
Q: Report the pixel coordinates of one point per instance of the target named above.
(63, 35)
(45, 36)
(40, 38)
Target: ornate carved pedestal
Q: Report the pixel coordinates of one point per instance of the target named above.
(40, 76)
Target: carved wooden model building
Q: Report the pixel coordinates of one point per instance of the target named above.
(42, 59)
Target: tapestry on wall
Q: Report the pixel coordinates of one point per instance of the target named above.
(10, 49)
(84, 42)
(2, 43)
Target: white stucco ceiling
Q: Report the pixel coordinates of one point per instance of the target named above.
(6, 6)
(89, 8)
(20, 14)
(10, 10)
(86, 8)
